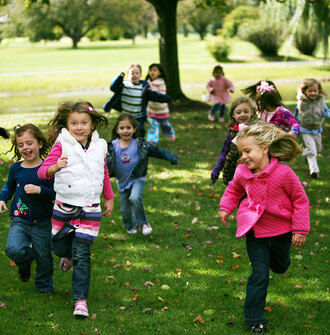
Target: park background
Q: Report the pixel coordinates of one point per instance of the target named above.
(189, 276)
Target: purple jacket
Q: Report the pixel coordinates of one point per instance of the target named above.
(276, 201)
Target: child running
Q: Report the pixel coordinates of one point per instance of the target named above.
(218, 87)
(158, 112)
(31, 209)
(312, 110)
(242, 111)
(270, 106)
(132, 95)
(128, 161)
(274, 214)
(77, 160)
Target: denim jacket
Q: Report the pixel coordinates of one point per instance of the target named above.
(117, 86)
(145, 149)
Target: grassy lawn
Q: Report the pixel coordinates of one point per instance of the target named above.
(191, 265)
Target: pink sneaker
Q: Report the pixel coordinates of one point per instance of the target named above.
(81, 308)
(221, 119)
(172, 138)
(211, 117)
(66, 264)
(146, 229)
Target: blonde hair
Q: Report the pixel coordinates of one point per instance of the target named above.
(237, 102)
(135, 65)
(308, 82)
(280, 144)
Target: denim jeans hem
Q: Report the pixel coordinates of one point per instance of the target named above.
(252, 323)
(79, 298)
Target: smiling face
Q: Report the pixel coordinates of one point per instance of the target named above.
(254, 156)
(154, 73)
(242, 113)
(125, 131)
(134, 75)
(28, 147)
(312, 91)
(80, 126)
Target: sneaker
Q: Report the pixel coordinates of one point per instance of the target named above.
(221, 119)
(132, 231)
(66, 264)
(24, 274)
(315, 175)
(81, 308)
(146, 229)
(257, 329)
(211, 117)
(172, 138)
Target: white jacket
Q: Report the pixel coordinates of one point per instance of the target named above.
(81, 182)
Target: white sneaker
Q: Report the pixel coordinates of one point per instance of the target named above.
(211, 117)
(221, 119)
(132, 231)
(146, 229)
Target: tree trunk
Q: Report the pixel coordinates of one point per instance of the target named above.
(168, 46)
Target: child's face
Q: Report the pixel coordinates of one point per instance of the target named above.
(80, 126)
(125, 130)
(134, 75)
(217, 74)
(28, 147)
(154, 73)
(242, 113)
(253, 156)
(312, 91)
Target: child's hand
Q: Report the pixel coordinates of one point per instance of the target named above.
(223, 217)
(3, 206)
(32, 189)
(61, 163)
(108, 207)
(298, 240)
(174, 160)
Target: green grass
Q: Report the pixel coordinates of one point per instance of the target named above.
(197, 265)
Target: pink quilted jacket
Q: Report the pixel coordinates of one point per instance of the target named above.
(276, 201)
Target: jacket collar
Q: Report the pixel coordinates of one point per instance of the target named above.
(264, 173)
(68, 137)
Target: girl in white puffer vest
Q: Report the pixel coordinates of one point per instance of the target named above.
(78, 161)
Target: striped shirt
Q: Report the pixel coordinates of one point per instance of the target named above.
(131, 99)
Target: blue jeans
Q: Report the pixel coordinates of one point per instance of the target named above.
(21, 236)
(264, 253)
(132, 198)
(71, 247)
(219, 107)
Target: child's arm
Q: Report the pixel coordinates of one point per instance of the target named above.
(107, 192)
(45, 191)
(53, 163)
(161, 153)
(116, 83)
(221, 159)
(290, 122)
(156, 96)
(326, 110)
(230, 85)
(8, 190)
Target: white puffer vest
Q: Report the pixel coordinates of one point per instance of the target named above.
(81, 182)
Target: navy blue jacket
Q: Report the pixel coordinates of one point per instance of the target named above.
(148, 94)
(145, 149)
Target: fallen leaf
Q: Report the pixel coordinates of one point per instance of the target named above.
(122, 308)
(188, 247)
(268, 309)
(3, 305)
(194, 220)
(135, 296)
(164, 309)
(199, 319)
(145, 310)
(23, 309)
(126, 284)
(212, 228)
(235, 255)
(148, 283)
(209, 312)
(209, 242)
(298, 285)
(93, 316)
(299, 257)
(147, 269)
(11, 263)
(165, 287)
(160, 299)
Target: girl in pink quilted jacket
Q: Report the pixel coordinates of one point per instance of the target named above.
(274, 214)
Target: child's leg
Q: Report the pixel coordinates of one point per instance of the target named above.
(167, 128)
(256, 290)
(280, 252)
(81, 269)
(136, 200)
(310, 152)
(63, 246)
(41, 244)
(153, 132)
(215, 108)
(142, 130)
(126, 209)
(18, 244)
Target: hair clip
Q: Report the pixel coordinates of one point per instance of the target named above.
(264, 87)
(90, 109)
(241, 127)
(17, 127)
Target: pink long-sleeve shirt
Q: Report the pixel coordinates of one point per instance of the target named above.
(276, 201)
(218, 90)
(56, 153)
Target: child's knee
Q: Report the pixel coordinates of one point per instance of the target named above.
(135, 198)
(14, 253)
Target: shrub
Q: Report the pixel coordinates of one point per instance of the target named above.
(219, 49)
(267, 38)
(306, 42)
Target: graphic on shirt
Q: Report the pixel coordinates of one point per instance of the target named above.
(125, 158)
(21, 208)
